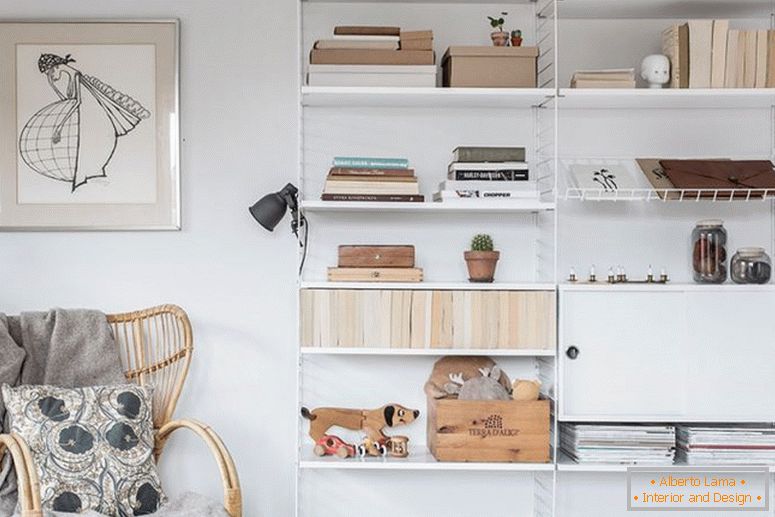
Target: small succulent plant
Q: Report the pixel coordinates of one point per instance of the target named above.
(482, 242)
(496, 22)
(516, 33)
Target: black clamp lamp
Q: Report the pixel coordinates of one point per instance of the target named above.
(270, 210)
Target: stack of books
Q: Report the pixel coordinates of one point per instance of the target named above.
(373, 56)
(481, 173)
(611, 78)
(726, 444)
(618, 444)
(371, 179)
(708, 54)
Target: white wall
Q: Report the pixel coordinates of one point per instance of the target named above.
(239, 139)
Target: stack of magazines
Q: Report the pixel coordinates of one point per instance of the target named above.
(639, 444)
(725, 444)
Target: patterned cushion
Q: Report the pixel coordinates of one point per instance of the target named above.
(93, 446)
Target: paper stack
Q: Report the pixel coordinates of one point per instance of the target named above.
(726, 444)
(487, 173)
(618, 443)
(611, 78)
(373, 56)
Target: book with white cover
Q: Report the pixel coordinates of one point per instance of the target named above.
(487, 166)
(700, 53)
(521, 186)
(364, 37)
(718, 66)
(465, 195)
(357, 44)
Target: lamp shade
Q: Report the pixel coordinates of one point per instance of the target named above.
(269, 210)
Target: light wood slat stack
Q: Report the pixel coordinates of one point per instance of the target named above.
(422, 319)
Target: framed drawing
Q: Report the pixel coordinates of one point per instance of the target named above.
(89, 125)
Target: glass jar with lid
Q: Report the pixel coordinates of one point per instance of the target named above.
(751, 266)
(709, 252)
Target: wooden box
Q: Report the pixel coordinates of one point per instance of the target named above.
(490, 67)
(376, 256)
(489, 431)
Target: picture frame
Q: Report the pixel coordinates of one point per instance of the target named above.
(89, 125)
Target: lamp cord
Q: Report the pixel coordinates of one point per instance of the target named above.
(304, 224)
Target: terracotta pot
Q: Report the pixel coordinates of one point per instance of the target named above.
(516, 41)
(499, 38)
(481, 265)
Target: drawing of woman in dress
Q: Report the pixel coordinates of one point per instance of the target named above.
(74, 138)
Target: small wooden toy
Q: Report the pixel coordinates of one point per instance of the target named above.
(526, 390)
(330, 445)
(372, 422)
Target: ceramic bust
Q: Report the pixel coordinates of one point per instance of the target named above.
(655, 69)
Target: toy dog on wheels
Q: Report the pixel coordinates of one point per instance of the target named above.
(371, 422)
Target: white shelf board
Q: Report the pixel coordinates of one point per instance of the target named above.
(416, 461)
(649, 9)
(376, 207)
(495, 352)
(432, 286)
(423, 97)
(645, 98)
(671, 287)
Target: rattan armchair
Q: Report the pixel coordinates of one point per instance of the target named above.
(156, 348)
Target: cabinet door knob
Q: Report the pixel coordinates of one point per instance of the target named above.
(572, 352)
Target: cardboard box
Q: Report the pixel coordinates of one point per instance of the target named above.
(490, 67)
(489, 430)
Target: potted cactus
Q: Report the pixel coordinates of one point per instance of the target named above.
(516, 38)
(500, 38)
(481, 259)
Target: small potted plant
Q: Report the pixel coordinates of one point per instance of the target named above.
(516, 38)
(481, 259)
(499, 37)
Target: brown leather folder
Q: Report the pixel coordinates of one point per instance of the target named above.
(751, 177)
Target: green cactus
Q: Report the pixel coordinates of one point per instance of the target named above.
(482, 242)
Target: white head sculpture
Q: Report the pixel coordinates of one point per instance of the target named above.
(655, 69)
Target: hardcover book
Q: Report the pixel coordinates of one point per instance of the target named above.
(488, 154)
(370, 162)
(503, 175)
(378, 173)
(392, 198)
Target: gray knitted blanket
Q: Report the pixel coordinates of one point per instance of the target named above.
(70, 348)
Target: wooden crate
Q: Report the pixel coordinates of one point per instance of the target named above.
(376, 256)
(496, 431)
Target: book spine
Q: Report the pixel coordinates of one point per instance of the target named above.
(507, 175)
(371, 163)
(357, 171)
(394, 198)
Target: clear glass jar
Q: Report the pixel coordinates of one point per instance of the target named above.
(709, 252)
(751, 266)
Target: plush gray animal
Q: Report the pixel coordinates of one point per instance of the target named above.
(485, 387)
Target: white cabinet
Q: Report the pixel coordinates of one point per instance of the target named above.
(667, 354)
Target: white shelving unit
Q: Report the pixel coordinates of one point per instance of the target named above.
(540, 240)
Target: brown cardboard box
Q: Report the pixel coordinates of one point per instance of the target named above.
(489, 430)
(490, 67)
(417, 40)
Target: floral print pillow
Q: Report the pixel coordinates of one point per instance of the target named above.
(93, 447)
